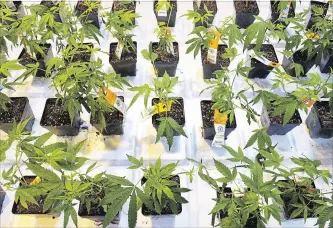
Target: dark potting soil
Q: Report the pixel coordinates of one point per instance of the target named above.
(176, 112)
(81, 7)
(287, 200)
(300, 57)
(55, 114)
(82, 55)
(32, 208)
(295, 119)
(173, 5)
(14, 110)
(219, 60)
(251, 7)
(26, 58)
(125, 56)
(115, 117)
(208, 115)
(49, 4)
(325, 114)
(276, 11)
(268, 49)
(169, 58)
(211, 6)
(95, 196)
(166, 210)
(120, 5)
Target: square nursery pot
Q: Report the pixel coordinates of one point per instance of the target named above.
(92, 16)
(25, 58)
(211, 5)
(245, 14)
(176, 112)
(287, 197)
(18, 110)
(14, 5)
(210, 68)
(2, 197)
(165, 210)
(170, 19)
(56, 118)
(114, 122)
(275, 12)
(167, 63)
(312, 17)
(275, 124)
(83, 54)
(49, 4)
(300, 58)
(207, 114)
(126, 66)
(116, 6)
(33, 209)
(320, 120)
(227, 192)
(327, 63)
(261, 70)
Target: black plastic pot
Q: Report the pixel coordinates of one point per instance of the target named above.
(83, 213)
(312, 18)
(19, 117)
(111, 128)
(93, 16)
(169, 67)
(280, 129)
(170, 19)
(275, 15)
(245, 19)
(124, 67)
(326, 64)
(49, 4)
(165, 210)
(209, 68)
(40, 59)
(179, 104)
(315, 122)
(209, 130)
(209, 21)
(300, 58)
(261, 70)
(2, 198)
(63, 130)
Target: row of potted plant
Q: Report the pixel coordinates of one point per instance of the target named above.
(270, 190)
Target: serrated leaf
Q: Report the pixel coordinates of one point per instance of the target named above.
(132, 212)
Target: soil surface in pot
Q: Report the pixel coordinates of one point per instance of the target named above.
(49, 4)
(14, 110)
(82, 55)
(95, 196)
(32, 208)
(211, 6)
(287, 200)
(295, 119)
(208, 115)
(300, 57)
(168, 58)
(26, 58)
(176, 112)
(125, 56)
(325, 115)
(251, 7)
(275, 9)
(166, 210)
(219, 60)
(268, 49)
(173, 5)
(115, 117)
(118, 5)
(55, 114)
(81, 7)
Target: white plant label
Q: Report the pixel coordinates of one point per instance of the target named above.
(219, 138)
(170, 48)
(163, 11)
(198, 3)
(284, 13)
(120, 106)
(212, 55)
(11, 5)
(263, 60)
(329, 15)
(264, 118)
(119, 50)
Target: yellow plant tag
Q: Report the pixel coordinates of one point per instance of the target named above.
(308, 102)
(312, 35)
(36, 181)
(213, 45)
(219, 118)
(162, 107)
(273, 64)
(113, 100)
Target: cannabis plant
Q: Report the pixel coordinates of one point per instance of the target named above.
(165, 39)
(162, 88)
(195, 16)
